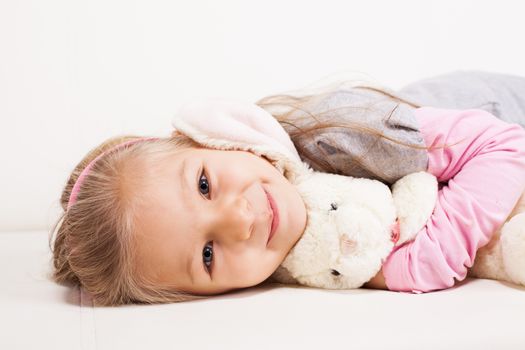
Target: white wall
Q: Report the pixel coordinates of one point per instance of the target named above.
(73, 73)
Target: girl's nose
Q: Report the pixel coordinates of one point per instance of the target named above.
(235, 220)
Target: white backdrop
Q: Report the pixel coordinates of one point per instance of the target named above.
(73, 73)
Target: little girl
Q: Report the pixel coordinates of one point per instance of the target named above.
(151, 220)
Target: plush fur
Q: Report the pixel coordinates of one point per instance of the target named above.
(353, 224)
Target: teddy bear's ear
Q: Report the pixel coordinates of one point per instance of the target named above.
(228, 124)
(347, 245)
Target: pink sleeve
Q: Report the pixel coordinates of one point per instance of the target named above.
(485, 170)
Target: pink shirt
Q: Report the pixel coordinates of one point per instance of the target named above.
(485, 171)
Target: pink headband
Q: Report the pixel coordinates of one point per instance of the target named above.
(83, 174)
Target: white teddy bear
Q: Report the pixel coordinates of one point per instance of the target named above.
(353, 224)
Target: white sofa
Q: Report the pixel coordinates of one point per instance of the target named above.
(37, 313)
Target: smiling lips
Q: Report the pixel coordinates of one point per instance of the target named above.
(274, 221)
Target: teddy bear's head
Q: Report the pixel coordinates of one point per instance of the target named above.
(348, 231)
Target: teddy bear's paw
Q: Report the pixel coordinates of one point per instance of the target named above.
(513, 248)
(415, 197)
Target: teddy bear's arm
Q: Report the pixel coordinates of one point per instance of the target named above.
(415, 197)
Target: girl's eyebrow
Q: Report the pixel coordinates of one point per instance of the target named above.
(182, 175)
(189, 267)
(185, 191)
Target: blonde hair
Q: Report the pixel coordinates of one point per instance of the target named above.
(93, 241)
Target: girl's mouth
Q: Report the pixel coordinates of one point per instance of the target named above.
(275, 216)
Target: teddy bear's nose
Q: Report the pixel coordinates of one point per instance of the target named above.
(335, 273)
(347, 245)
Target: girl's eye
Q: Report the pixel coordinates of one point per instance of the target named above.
(204, 187)
(207, 255)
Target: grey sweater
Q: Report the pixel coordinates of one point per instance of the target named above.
(358, 153)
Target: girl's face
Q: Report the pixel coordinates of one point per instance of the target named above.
(206, 219)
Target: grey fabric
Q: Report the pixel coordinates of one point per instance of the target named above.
(500, 94)
(354, 150)
(356, 153)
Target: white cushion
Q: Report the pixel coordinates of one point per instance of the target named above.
(37, 313)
